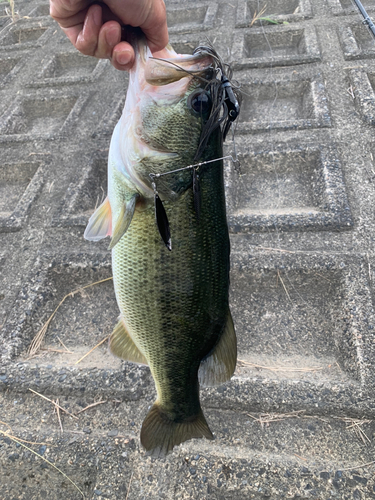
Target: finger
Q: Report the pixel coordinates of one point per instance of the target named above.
(87, 39)
(123, 56)
(69, 14)
(109, 37)
(155, 26)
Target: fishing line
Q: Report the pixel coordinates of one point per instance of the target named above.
(367, 21)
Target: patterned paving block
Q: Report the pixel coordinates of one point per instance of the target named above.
(9, 67)
(25, 35)
(84, 318)
(363, 84)
(279, 11)
(283, 103)
(185, 44)
(3, 311)
(298, 310)
(192, 17)
(276, 46)
(69, 67)
(43, 117)
(20, 184)
(357, 42)
(83, 195)
(343, 7)
(39, 11)
(293, 189)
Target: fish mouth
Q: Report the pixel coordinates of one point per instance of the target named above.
(161, 71)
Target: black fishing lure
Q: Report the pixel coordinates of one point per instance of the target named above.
(225, 108)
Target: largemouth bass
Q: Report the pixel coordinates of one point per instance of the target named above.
(171, 275)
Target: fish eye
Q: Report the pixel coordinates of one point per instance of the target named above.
(200, 102)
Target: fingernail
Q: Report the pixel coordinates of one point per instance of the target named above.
(111, 37)
(123, 57)
(97, 16)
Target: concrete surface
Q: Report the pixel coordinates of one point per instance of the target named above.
(297, 419)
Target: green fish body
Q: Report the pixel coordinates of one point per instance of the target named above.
(174, 304)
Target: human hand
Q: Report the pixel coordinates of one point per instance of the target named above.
(95, 29)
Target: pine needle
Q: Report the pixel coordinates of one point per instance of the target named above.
(91, 406)
(90, 351)
(58, 415)
(55, 404)
(281, 368)
(19, 441)
(39, 337)
(130, 482)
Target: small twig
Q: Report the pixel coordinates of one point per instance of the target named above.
(305, 459)
(90, 351)
(90, 406)
(56, 405)
(130, 482)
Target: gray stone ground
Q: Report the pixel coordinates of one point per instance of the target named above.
(297, 419)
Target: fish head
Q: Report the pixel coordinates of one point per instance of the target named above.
(173, 105)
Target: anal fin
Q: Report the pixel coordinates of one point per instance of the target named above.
(220, 364)
(122, 345)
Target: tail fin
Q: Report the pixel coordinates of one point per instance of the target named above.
(159, 434)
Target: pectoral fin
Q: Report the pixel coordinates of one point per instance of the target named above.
(122, 346)
(124, 220)
(219, 366)
(100, 223)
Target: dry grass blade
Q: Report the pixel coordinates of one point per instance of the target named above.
(91, 406)
(280, 368)
(39, 337)
(93, 349)
(257, 16)
(55, 404)
(19, 441)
